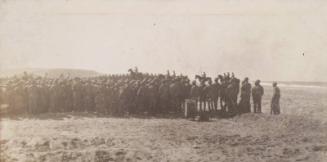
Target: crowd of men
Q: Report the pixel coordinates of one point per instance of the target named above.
(132, 93)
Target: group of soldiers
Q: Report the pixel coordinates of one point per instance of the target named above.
(226, 89)
(111, 94)
(132, 93)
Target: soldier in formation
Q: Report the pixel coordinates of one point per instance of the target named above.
(132, 93)
(111, 94)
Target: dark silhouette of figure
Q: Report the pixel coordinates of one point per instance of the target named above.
(257, 93)
(275, 107)
(245, 105)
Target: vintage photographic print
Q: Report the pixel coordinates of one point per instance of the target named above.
(163, 81)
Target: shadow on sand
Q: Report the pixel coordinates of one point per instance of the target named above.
(80, 115)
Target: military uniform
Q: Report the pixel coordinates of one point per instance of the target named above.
(89, 98)
(245, 105)
(275, 107)
(78, 97)
(164, 97)
(100, 105)
(257, 93)
(33, 98)
(213, 95)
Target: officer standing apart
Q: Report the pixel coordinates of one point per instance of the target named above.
(275, 107)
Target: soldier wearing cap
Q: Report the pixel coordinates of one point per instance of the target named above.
(99, 99)
(33, 98)
(89, 96)
(275, 107)
(164, 96)
(215, 91)
(257, 93)
(244, 105)
(77, 89)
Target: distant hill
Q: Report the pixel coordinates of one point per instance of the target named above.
(49, 72)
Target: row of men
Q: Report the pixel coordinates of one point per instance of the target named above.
(112, 94)
(133, 93)
(228, 88)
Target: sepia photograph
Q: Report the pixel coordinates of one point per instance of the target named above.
(163, 81)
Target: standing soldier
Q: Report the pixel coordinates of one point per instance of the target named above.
(139, 99)
(52, 97)
(33, 98)
(164, 96)
(77, 95)
(244, 105)
(55, 97)
(43, 98)
(214, 94)
(257, 93)
(142, 98)
(63, 96)
(18, 97)
(129, 96)
(60, 97)
(10, 93)
(236, 84)
(69, 95)
(210, 95)
(114, 98)
(152, 90)
(185, 90)
(203, 96)
(275, 107)
(99, 100)
(223, 93)
(231, 92)
(109, 98)
(123, 98)
(89, 97)
(175, 90)
(154, 94)
(195, 93)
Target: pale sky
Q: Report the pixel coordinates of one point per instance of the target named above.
(261, 39)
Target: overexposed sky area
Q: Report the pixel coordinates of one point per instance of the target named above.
(262, 39)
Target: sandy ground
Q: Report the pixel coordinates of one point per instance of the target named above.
(299, 134)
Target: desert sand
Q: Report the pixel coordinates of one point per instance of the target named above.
(298, 134)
